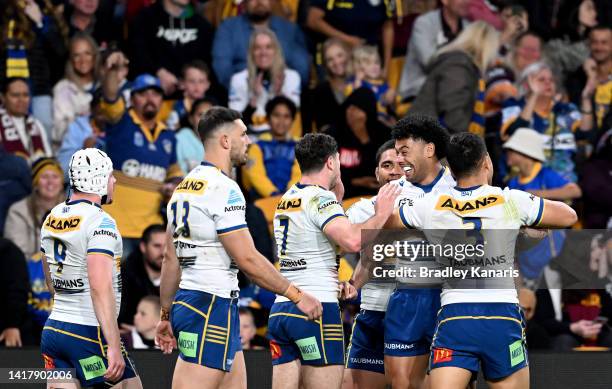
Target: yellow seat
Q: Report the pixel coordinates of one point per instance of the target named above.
(346, 203)
(396, 65)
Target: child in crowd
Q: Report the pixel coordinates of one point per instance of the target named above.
(367, 72)
(195, 83)
(142, 334)
(248, 331)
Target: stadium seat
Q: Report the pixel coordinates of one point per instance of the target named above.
(346, 203)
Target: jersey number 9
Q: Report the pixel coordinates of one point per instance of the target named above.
(59, 254)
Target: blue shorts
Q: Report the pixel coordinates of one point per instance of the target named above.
(489, 334)
(292, 336)
(207, 328)
(74, 346)
(366, 350)
(410, 321)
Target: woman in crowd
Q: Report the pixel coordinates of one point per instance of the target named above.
(540, 109)
(73, 94)
(189, 147)
(359, 135)
(454, 89)
(25, 218)
(266, 76)
(329, 94)
(34, 40)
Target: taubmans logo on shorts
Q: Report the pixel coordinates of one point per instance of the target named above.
(60, 224)
(442, 355)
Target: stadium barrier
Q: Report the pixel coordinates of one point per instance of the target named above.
(584, 370)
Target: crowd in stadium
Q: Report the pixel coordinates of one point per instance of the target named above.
(132, 78)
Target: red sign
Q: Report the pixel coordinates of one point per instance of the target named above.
(275, 350)
(442, 355)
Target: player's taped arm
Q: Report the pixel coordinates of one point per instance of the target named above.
(256, 172)
(555, 214)
(170, 276)
(239, 245)
(100, 273)
(48, 280)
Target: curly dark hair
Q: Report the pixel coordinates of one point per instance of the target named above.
(425, 128)
(313, 150)
(388, 145)
(464, 153)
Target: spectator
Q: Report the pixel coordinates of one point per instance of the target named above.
(166, 35)
(527, 50)
(16, 182)
(525, 153)
(142, 334)
(85, 131)
(591, 85)
(359, 135)
(189, 147)
(230, 50)
(569, 50)
(194, 84)
(72, 95)
(125, 86)
(33, 39)
(272, 168)
(248, 331)
(40, 300)
(515, 22)
(14, 287)
(431, 31)
(491, 12)
(328, 95)
(82, 18)
(265, 77)
(141, 273)
(142, 150)
(596, 183)
(20, 133)
(454, 89)
(363, 22)
(368, 73)
(25, 218)
(539, 110)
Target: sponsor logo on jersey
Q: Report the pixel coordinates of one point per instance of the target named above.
(447, 203)
(233, 208)
(289, 205)
(442, 355)
(61, 224)
(61, 284)
(275, 350)
(292, 264)
(191, 185)
(134, 168)
(408, 202)
(234, 198)
(327, 204)
(105, 232)
(108, 223)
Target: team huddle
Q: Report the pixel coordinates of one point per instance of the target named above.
(413, 332)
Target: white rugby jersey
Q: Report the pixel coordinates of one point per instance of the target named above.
(305, 254)
(205, 205)
(72, 230)
(374, 295)
(411, 191)
(482, 209)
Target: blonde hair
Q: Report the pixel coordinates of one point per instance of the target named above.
(70, 73)
(480, 41)
(363, 53)
(278, 64)
(331, 42)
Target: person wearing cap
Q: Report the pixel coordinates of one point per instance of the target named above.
(142, 149)
(25, 217)
(525, 153)
(81, 250)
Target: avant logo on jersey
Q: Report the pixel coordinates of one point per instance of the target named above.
(191, 185)
(289, 205)
(60, 224)
(447, 203)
